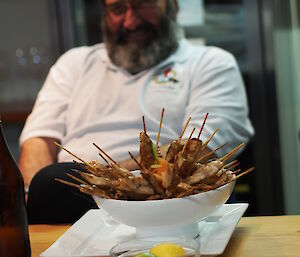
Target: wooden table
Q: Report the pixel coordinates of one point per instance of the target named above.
(276, 236)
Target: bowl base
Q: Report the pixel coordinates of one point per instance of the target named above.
(184, 230)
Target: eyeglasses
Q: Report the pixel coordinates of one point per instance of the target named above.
(120, 7)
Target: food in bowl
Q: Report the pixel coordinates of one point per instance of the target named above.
(175, 216)
(184, 170)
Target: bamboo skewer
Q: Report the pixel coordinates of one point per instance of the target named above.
(236, 171)
(230, 164)
(191, 134)
(233, 166)
(188, 140)
(84, 166)
(105, 160)
(67, 183)
(75, 178)
(85, 163)
(227, 156)
(60, 146)
(208, 140)
(136, 161)
(210, 153)
(161, 118)
(204, 121)
(144, 124)
(87, 189)
(182, 133)
(244, 173)
(105, 154)
(80, 163)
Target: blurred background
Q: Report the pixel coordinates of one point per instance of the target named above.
(264, 36)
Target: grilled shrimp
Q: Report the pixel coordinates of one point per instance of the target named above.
(174, 148)
(136, 185)
(146, 150)
(205, 171)
(99, 181)
(188, 157)
(170, 180)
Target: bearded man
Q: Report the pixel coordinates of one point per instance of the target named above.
(100, 93)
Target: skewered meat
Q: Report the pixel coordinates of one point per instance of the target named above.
(185, 160)
(146, 150)
(181, 173)
(174, 148)
(205, 171)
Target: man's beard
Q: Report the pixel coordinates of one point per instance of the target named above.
(138, 56)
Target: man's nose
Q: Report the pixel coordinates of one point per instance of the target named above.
(131, 20)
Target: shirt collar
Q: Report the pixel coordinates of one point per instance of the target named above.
(181, 55)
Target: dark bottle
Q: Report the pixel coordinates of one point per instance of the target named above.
(14, 237)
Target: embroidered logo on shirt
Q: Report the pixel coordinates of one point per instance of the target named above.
(166, 76)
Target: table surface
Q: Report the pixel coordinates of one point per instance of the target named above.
(254, 236)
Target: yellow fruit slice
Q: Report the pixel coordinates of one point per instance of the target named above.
(167, 250)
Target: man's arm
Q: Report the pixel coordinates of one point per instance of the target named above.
(36, 153)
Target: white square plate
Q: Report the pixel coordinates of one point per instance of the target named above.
(96, 233)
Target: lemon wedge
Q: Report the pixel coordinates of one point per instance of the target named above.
(167, 250)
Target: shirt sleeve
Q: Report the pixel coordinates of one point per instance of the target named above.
(48, 116)
(217, 88)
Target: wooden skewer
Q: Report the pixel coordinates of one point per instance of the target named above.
(211, 153)
(227, 156)
(60, 146)
(67, 183)
(80, 163)
(88, 168)
(84, 188)
(75, 178)
(105, 160)
(232, 167)
(188, 140)
(236, 171)
(244, 173)
(84, 166)
(202, 125)
(136, 161)
(230, 164)
(161, 118)
(191, 134)
(181, 135)
(105, 154)
(85, 163)
(144, 124)
(208, 140)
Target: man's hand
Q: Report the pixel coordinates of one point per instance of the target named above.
(36, 153)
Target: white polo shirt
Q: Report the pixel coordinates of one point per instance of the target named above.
(88, 99)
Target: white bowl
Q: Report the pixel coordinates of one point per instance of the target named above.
(166, 215)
